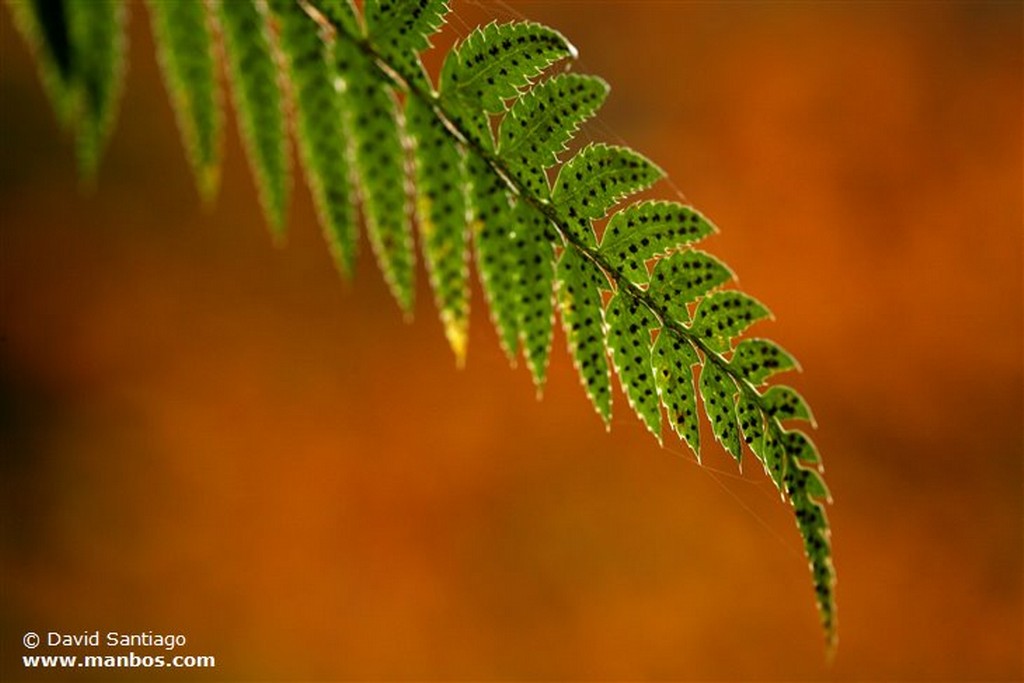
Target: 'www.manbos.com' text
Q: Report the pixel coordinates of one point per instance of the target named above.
(126, 661)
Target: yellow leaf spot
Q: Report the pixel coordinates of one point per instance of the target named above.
(456, 329)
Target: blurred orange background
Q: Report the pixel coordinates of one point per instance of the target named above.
(204, 434)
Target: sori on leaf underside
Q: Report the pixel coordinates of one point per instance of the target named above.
(468, 161)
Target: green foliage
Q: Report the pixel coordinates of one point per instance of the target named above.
(490, 66)
(673, 360)
(380, 163)
(579, 298)
(371, 126)
(320, 130)
(184, 40)
(756, 360)
(542, 121)
(442, 207)
(718, 390)
(683, 278)
(648, 229)
(400, 29)
(98, 45)
(724, 315)
(492, 225)
(629, 341)
(80, 54)
(258, 103)
(43, 25)
(532, 259)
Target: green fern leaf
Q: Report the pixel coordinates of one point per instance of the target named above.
(579, 299)
(490, 66)
(719, 391)
(532, 261)
(799, 447)
(320, 131)
(441, 204)
(629, 341)
(673, 361)
(542, 121)
(533, 240)
(684, 277)
(380, 164)
(98, 48)
(258, 105)
(804, 486)
(751, 421)
(648, 229)
(724, 315)
(784, 403)
(492, 225)
(43, 25)
(185, 48)
(772, 453)
(596, 179)
(400, 29)
(756, 360)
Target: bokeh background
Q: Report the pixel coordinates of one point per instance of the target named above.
(206, 434)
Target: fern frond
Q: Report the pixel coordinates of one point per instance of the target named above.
(98, 50)
(320, 130)
(669, 328)
(258, 103)
(184, 41)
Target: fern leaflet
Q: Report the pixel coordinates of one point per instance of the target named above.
(579, 298)
(43, 24)
(629, 341)
(258, 103)
(320, 130)
(98, 43)
(442, 208)
(372, 117)
(185, 48)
